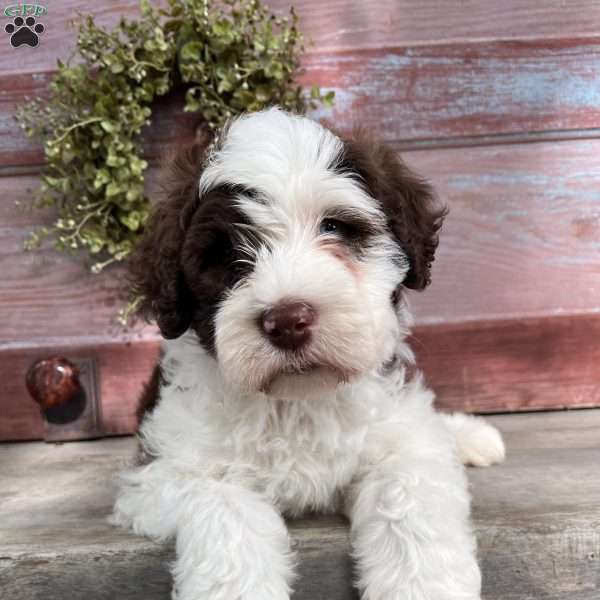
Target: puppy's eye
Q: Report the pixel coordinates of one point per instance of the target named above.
(350, 229)
(332, 226)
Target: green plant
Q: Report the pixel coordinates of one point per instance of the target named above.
(231, 56)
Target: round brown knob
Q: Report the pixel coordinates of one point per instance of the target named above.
(53, 382)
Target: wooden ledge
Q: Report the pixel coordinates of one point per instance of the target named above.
(537, 519)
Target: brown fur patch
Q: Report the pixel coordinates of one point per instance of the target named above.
(187, 258)
(413, 216)
(155, 267)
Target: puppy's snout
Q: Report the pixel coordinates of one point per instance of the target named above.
(288, 325)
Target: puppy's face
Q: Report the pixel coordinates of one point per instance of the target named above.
(286, 250)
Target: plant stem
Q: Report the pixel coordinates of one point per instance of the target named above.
(75, 126)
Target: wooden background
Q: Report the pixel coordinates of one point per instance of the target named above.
(498, 103)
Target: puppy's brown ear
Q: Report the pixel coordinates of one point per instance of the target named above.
(414, 218)
(155, 268)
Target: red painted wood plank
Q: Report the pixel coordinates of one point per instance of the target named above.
(529, 364)
(453, 91)
(122, 367)
(523, 234)
(49, 295)
(406, 95)
(15, 147)
(350, 24)
(522, 239)
(500, 366)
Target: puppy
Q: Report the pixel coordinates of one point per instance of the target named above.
(276, 269)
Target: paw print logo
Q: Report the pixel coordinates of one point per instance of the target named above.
(24, 31)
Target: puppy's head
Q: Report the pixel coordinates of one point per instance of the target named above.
(286, 249)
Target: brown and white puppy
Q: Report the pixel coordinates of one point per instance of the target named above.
(276, 269)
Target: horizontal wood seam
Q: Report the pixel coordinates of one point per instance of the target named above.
(472, 141)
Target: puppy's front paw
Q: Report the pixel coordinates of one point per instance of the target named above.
(478, 443)
(138, 508)
(216, 593)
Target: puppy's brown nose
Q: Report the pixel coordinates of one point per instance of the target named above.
(288, 325)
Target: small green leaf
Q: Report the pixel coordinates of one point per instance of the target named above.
(112, 189)
(191, 51)
(107, 126)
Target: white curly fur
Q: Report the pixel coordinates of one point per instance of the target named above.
(237, 444)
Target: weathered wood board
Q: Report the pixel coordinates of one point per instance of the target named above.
(521, 240)
(352, 24)
(440, 92)
(520, 365)
(486, 367)
(408, 95)
(537, 521)
(522, 236)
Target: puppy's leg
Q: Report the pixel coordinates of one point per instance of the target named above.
(411, 534)
(231, 543)
(478, 443)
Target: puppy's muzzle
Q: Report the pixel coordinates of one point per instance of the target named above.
(288, 325)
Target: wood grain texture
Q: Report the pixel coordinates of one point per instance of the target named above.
(521, 240)
(536, 519)
(407, 95)
(486, 367)
(498, 366)
(49, 295)
(449, 91)
(523, 235)
(552, 429)
(123, 367)
(350, 24)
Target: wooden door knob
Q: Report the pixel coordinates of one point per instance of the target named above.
(53, 382)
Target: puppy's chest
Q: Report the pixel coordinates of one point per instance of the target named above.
(305, 460)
